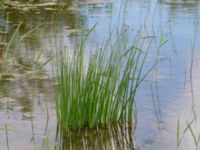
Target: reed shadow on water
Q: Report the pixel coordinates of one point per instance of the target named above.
(119, 137)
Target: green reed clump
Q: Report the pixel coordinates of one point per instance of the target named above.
(102, 91)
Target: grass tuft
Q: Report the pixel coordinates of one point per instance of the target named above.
(102, 91)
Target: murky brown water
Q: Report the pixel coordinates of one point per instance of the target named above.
(27, 110)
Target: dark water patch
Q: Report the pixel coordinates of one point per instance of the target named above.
(113, 137)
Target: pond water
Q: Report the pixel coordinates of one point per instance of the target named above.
(27, 109)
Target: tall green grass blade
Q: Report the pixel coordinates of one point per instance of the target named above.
(104, 91)
(12, 39)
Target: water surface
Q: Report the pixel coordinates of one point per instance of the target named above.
(27, 101)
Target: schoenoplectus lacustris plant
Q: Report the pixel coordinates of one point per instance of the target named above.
(101, 91)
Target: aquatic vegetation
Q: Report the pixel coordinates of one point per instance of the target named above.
(11, 50)
(47, 143)
(179, 136)
(172, 2)
(32, 5)
(102, 91)
(118, 137)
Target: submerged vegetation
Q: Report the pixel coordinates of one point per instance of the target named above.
(117, 137)
(195, 137)
(10, 50)
(102, 91)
